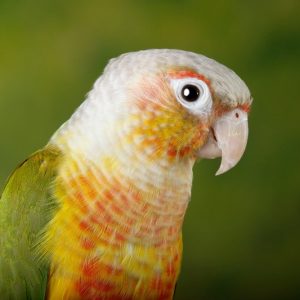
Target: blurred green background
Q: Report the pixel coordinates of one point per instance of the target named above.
(242, 229)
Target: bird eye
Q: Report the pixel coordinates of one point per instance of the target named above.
(190, 93)
(193, 94)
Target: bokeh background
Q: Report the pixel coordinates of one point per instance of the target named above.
(242, 229)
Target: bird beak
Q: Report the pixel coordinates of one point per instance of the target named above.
(227, 139)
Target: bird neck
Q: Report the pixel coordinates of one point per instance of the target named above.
(138, 205)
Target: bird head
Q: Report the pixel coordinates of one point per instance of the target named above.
(168, 105)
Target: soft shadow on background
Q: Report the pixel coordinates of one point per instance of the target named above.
(242, 229)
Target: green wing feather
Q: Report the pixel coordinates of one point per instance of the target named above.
(26, 206)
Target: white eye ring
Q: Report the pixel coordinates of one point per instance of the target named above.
(201, 101)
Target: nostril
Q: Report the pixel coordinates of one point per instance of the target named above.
(237, 115)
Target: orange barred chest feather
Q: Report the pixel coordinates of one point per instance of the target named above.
(108, 240)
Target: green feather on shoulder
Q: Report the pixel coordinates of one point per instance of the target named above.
(26, 206)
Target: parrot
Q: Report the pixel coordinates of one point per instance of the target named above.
(98, 212)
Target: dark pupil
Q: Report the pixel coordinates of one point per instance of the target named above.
(190, 93)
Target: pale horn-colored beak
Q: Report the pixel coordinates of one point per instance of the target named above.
(228, 138)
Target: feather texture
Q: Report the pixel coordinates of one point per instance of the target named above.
(26, 206)
(98, 213)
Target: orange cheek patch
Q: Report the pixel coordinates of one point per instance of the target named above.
(167, 134)
(191, 140)
(163, 128)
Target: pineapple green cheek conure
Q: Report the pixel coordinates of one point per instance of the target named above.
(98, 212)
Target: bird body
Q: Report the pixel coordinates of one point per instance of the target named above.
(100, 211)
